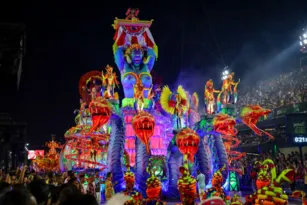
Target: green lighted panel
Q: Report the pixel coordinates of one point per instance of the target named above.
(129, 102)
(233, 181)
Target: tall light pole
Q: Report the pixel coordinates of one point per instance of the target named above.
(26, 153)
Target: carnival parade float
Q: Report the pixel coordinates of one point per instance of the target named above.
(49, 162)
(154, 139)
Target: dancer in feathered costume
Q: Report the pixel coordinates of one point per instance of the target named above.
(175, 103)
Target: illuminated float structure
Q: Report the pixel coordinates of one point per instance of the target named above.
(49, 162)
(164, 133)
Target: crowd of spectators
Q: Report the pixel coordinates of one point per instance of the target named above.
(22, 188)
(285, 89)
(281, 161)
(250, 139)
(288, 88)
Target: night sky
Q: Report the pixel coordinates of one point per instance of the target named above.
(64, 40)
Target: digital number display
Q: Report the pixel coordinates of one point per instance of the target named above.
(300, 139)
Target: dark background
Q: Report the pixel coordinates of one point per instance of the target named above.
(196, 39)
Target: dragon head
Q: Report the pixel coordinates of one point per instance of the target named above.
(224, 124)
(143, 122)
(254, 111)
(101, 111)
(187, 141)
(101, 107)
(144, 125)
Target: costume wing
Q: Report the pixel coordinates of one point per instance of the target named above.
(167, 103)
(195, 101)
(184, 99)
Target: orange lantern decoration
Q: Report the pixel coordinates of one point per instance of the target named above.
(144, 125)
(187, 141)
(101, 112)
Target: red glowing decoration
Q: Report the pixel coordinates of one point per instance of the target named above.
(101, 112)
(224, 124)
(144, 125)
(187, 141)
(250, 115)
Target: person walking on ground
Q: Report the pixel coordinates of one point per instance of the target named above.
(201, 184)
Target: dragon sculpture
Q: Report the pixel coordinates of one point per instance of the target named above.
(224, 124)
(144, 125)
(250, 115)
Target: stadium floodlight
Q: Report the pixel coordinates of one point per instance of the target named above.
(225, 73)
(303, 42)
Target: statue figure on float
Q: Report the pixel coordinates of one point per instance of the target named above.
(209, 97)
(135, 52)
(229, 89)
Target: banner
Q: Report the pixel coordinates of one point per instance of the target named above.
(294, 108)
(32, 154)
(296, 127)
